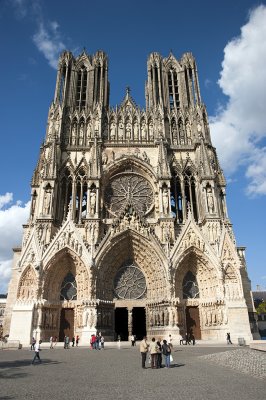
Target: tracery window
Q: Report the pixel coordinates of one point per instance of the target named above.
(69, 288)
(129, 283)
(81, 88)
(128, 188)
(190, 286)
(173, 89)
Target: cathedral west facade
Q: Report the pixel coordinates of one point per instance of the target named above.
(128, 229)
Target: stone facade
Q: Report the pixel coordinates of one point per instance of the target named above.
(128, 230)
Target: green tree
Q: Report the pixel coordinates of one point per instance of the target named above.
(261, 309)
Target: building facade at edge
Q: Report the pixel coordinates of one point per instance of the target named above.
(128, 231)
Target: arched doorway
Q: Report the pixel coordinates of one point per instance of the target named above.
(197, 287)
(65, 284)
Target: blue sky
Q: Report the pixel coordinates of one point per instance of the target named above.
(228, 40)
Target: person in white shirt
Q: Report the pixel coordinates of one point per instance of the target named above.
(37, 348)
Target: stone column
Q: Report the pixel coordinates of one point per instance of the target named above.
(129, 322)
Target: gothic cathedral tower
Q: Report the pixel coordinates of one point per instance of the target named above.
(128, 231)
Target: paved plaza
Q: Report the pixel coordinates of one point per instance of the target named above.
(197, 372)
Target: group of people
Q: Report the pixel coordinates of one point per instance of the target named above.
(158, 350)
(97, 341)
(75, 340)
(187, 339)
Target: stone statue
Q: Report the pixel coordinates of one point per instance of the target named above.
(210, 201)
(89, 130)
(92, 202)
(104, 158)
(74, 134)
(81, 134)
(112, 131)
(46, 202)
(165, 201)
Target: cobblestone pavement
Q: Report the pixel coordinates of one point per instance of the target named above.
(114, 374)
(247, 361)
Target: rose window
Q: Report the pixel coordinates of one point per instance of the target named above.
(129, 283)
(130, 189)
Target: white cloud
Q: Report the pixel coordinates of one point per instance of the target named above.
(11, 220)
(5, 199)
(48, 42)
(5, 274)
(239, 128)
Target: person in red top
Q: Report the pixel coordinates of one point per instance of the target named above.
(77, 340)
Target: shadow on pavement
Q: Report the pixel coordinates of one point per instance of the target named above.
(10, 369)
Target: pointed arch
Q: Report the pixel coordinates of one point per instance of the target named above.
(131, 248)
(28, 284)
(65, 262)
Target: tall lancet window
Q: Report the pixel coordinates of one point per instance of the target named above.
(97, 83)
(190, 286)
(81, 88)
(190, 193)
(62, 84)
(173, 89)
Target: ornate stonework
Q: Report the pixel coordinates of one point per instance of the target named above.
(128, 230)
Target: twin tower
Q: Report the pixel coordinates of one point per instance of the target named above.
(128, 231)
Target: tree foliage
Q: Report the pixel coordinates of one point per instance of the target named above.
(261, 309)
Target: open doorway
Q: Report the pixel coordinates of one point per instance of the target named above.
(121, 323)
(66, 324)
(193, 322)
(139, 322)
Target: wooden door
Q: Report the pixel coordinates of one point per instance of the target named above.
(193, 322)
(66, 324)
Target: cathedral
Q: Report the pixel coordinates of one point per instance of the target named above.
(128, 231)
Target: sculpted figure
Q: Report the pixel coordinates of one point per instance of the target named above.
(165, 201)
(89, 130)
(112, 131)
(81, 134)
(210, 201)
(92, 202)
(46, 202)
(74, 135)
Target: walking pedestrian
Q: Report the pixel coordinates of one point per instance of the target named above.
(51, 342)
(144, 346)
(77, 340)
(132, 338)
(37, 349)
(73, 341)
(228, 338)
(102, 342)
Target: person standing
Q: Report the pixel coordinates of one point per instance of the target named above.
(132, 338)
(102, 342)
(153, 352)
(166, 349)
(159, 355)
(143, 350)
(51, 342)
(73, 341)
(77, 340)
(37, 349)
